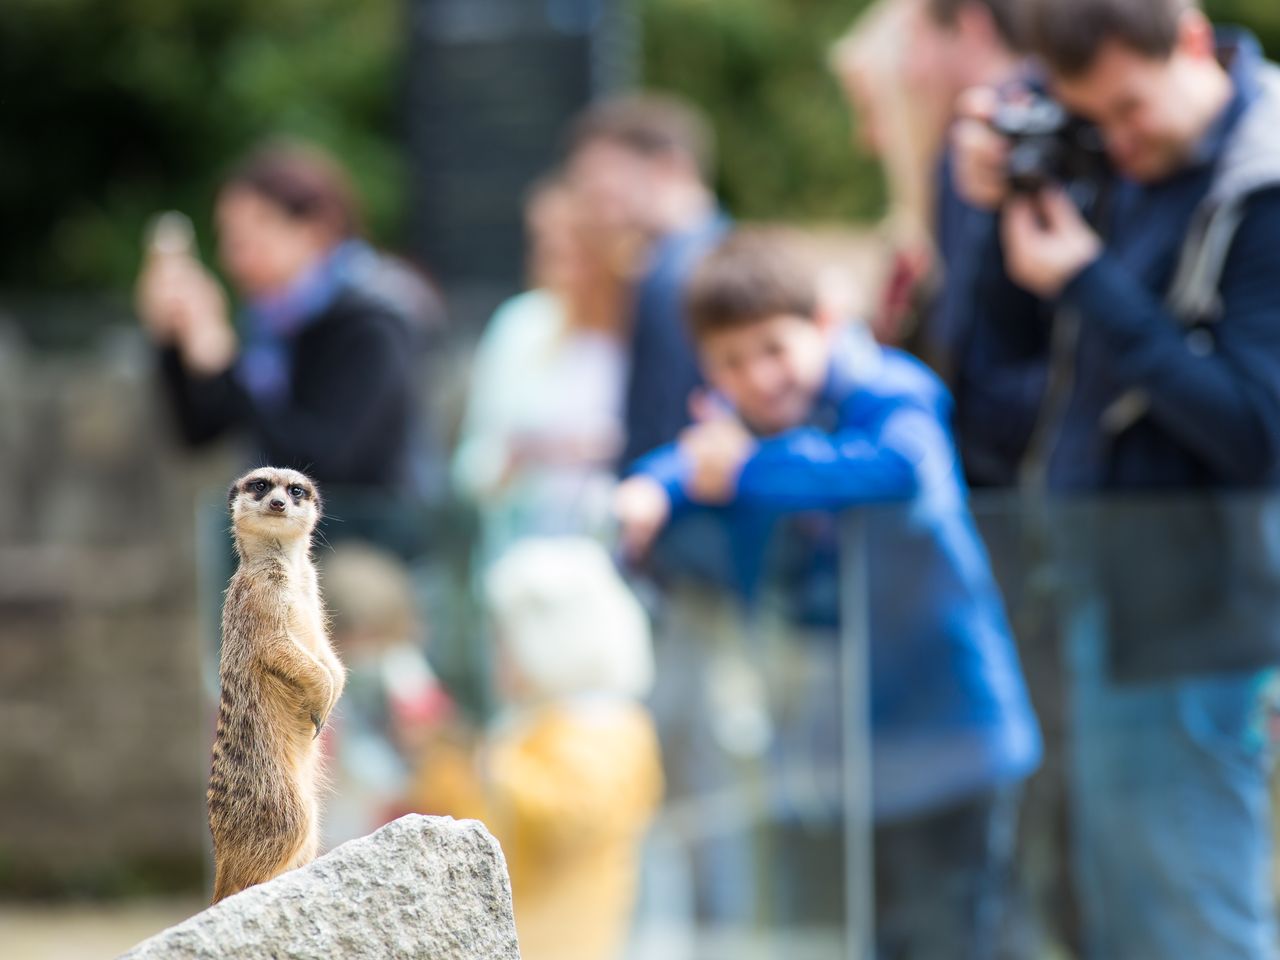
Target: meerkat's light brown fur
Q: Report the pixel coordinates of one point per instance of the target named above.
(280, 679)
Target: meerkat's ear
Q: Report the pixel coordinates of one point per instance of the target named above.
(317, 499)
(231, 495)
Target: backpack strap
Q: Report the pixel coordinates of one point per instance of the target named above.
(1194, 299)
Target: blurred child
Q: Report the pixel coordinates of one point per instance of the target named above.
(393, 701)
(810, 418)
(569, 777)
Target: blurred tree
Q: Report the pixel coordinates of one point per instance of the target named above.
(1261, 16)
(113, 109)
(759, 68)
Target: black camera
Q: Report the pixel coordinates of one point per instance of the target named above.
(1048, 145)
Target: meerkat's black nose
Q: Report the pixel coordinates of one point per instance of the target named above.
(277, 505)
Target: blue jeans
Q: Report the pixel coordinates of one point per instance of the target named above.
(1171, 806)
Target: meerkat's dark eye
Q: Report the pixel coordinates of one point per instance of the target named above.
(297, 492)
(258, 486)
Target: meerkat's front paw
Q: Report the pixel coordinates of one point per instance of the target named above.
(320, 712)
(338, 673)
(322, 701)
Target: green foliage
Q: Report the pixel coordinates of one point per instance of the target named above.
(113, 109)
(140, 875)
(1261, 16)
(758, 67)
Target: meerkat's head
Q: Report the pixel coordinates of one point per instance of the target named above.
(275, 504)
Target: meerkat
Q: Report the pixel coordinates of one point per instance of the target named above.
(280, 679)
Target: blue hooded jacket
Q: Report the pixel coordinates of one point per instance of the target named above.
(949, 713)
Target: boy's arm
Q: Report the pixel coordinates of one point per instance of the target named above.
(646, 500)
(670, 469)
(807, 469)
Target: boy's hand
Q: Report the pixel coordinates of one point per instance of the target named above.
(717, 451)
(642, 509)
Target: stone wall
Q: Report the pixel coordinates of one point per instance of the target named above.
(103, 726)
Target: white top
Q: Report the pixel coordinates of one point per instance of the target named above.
(543, 423)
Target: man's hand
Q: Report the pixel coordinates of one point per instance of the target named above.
(981, 154)
(642, 509)
(717, 450)
(1047, 242)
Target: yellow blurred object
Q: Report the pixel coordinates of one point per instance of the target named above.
(568, 791)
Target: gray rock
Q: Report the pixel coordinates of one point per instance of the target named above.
(421, 887)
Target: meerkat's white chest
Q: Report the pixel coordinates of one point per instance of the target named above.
(306, 613)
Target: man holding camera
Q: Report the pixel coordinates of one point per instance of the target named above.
(1165, 374)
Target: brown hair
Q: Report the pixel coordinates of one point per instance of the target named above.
(651, 125)
(1069, 34)
(304, 181)
(1006, 14)
(755, 274)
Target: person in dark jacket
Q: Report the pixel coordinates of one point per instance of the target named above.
(319, 374)
(1166, 377)
(643, 163)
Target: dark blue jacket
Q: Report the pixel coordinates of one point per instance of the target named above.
(1213, 393)
(1215, 396)
(994, 360)
(949, 712)
(664, 368)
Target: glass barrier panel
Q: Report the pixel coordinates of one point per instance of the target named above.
(1146, 630)
(707, 819)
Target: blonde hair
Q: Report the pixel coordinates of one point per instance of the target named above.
(868, 61)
